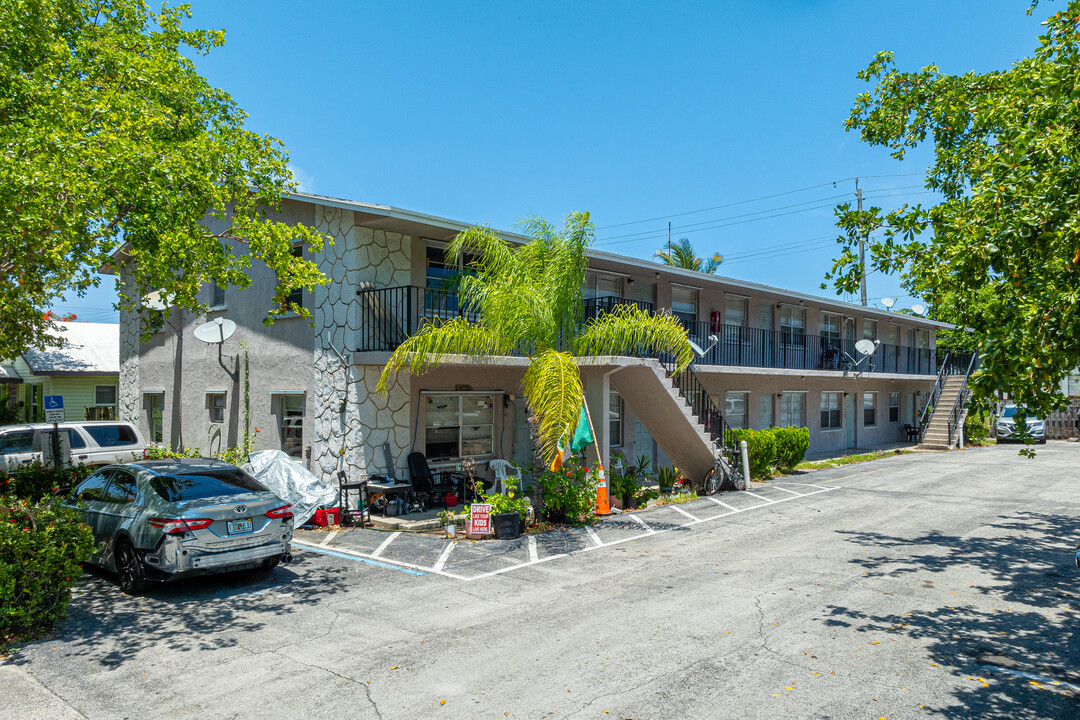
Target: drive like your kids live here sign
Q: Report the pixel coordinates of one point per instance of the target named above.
(479, 519)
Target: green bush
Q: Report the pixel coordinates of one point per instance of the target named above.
(791, 446)
(41, 548)
(569, 493)
(37, 481)
(761, 449)
(977, 426)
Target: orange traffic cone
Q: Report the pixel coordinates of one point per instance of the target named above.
(603, 507)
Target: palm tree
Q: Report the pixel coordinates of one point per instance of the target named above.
(527, 300)
(682, 255)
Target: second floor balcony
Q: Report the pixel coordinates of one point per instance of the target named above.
(389, 315)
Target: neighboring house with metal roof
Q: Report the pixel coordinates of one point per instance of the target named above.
(85, 370)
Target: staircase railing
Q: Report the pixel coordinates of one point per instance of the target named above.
(701, 405)
(961, 400)
(935, 392)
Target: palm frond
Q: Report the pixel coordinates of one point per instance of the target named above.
(491, 253)
(628, 330)
(552, 387)
(430, 345)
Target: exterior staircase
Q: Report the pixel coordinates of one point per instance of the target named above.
(937, 435)
(681, 418)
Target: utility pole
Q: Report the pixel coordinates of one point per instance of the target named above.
(862, 249)
(669, 240)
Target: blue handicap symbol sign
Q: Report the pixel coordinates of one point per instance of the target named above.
(54, 402)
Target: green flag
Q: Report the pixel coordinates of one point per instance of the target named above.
(582, 435)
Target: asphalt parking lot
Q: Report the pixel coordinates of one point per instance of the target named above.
(924, 585)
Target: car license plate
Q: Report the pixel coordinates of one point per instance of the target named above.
(239, 527)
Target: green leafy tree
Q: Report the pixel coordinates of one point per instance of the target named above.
(1000, 253)
(528, 301)
(682, 255)
(109, 136)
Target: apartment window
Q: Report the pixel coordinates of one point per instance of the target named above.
(615, 418)
(793, 409)
(793, 326)
(735, 311)
(735, 409)
(216, 403)
(684, 303)
(894, 407)
(597, 286)
(291, 424)
(297, 295)
(869, 404)
(155, 414)
(830, 410)
(830, 328)
(766, 403)
(869, 329)
(458, 425)
(217, 296)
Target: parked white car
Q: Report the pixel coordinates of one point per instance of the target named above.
(1005, 426)
(92, 443)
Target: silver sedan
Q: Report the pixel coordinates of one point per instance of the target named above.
(159, 520)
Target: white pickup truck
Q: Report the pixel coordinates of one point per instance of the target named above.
(92, 443)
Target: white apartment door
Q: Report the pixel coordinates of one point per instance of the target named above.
(849, 419)
(643, 443)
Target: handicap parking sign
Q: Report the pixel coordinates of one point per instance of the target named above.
(54, 408)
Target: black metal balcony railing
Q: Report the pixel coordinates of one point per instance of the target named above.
(790, 349)
(595, 307)
(389, 315)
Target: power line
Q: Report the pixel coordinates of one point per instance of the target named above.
(724, 221)
(753, 200)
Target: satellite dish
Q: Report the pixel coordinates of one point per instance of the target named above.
(216, 331)
(697, 348)
(154, 300)
(867, 347)
(918, 309)
(888, 302)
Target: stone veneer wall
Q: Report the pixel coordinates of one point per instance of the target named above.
(128, 395)
(370, 418)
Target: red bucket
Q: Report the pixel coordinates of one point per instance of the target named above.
(325, 517)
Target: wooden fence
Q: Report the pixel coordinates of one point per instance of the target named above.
(1061, 425)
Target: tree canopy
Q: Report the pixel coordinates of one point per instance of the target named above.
(682, 255)
(527, 300)
(109, 137)
(1000, 253)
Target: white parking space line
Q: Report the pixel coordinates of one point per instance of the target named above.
(759, 497)
(443, 557)
(721, 504)
(786, 490)
(385, 544)
(405, 567)
(676, 508)
(330, 536)
(534, 559)
(643, 524)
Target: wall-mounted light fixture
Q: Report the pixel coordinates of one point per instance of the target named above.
(779, 394)
(657, 276)
(779, 305)
(629, 281)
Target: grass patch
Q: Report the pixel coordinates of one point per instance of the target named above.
(847, 460)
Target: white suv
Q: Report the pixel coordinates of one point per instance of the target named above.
(92, 443)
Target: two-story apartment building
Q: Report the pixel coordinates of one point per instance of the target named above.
(769, 357)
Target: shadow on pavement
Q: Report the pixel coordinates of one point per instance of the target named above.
(212, 612)
(1033, 630)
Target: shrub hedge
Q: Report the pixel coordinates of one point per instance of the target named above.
(37, 481)
(569, 493)
(783, 448)
(41, 547)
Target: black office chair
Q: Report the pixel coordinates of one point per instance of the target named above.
(431, 487)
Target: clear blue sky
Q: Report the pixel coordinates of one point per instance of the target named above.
(491, 111)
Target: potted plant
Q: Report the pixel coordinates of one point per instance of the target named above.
(666, 476)
(508, 511)
(448, 523)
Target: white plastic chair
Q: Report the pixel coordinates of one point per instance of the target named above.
(503, 469)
